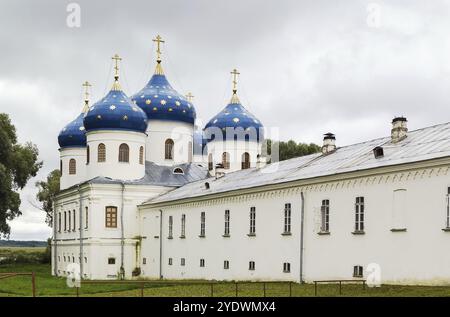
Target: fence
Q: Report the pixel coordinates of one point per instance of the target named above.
(33, 279)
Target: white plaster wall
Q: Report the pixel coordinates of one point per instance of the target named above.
(66, 154)
(159, 131)
(236, 149)
(112, 167)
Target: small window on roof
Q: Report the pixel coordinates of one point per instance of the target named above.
(178, 170)
(206, 185)
(378, 152)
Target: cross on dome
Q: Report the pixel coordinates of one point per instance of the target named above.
(117, 59)
(86, 86)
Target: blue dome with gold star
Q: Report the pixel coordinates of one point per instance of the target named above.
(73, 134)
(115, 112)
(235, 119)
(161, 102)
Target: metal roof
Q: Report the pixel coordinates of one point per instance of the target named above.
(420, 145)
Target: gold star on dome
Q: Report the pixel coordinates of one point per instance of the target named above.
(148, 101)
(177, 103)
(163, 102)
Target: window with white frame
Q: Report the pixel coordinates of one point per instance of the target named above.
(65, 221)
(86, 218)
(359, 214)
(183, 261)
(325, 216)
(226, 264)
(183, 226)
(170, 227)
(69, 216)
(74, 220)
(170, 261)
(286, 267)
(59, 222)
(287, 218)
(358, 271)
(227, 223)
(202, 224)
(252, 221)
(202, 262)
(251, 265)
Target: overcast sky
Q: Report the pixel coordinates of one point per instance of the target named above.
(307, 67)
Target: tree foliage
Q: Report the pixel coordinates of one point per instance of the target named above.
(18, 163)
(46, 192)
(290, 149)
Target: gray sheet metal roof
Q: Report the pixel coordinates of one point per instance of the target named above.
(423, 144)
(159, 175)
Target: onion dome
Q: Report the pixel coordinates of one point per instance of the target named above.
(74, 134)
(160, 101)
(115, 111)
(235, 118)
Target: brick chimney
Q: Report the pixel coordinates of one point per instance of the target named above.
(399, 129)
(329, 143)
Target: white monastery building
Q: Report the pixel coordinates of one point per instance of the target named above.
(145, 193)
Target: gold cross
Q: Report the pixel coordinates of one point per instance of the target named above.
(189, 97)
(116, 59)
(235, 74)
(86, 86)
(158, 41)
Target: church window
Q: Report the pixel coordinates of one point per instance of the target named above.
(69, 216)
(202, 224)
(286, 267)
(85, 259)
(111, 260)
(168, 149)
(227, 223)
(252, 221)
(72, 167)
(325, 216)
(144, 261)
(170, 227)
(226, 160)
(183, 261)
(202, 262)
(170, 261)
(251, 265)
(183, 226)
(357, 271)
(111, 217)
(60, 166)
(87, 217)
(448, 209)
(141, 155)
(101, 153)
(287, 218)
(178, 170)
(210, 162)
(65, 221)
(59, 222)
(87, 154)
(245, 161)
(74, 221)
(124, 153)
(359, 214)
(226, 264)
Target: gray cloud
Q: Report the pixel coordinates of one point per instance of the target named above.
(308, 67)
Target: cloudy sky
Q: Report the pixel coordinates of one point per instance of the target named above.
(307, 67)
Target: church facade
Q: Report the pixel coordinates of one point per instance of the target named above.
(145, 193)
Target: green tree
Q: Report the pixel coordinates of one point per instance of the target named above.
(18, 163)
(290, 149)
(46, 192)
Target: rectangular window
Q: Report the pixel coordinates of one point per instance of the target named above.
(111, 217)
(227, 223)
(170, 261)
(170, 227)
(65, 221)
(252, 221)
(111, 260)
(287, 218)
(144, 261)
(202, 262)
(325, 216)
(202, 224)
(357, 271)
(74, 221)
(251, 265)
(359, 214)
(59, 222)
(87, 218)
(183, 226)
(226, 265)
(448, 209)
(183, 261)
(286, 267)
(69, 216)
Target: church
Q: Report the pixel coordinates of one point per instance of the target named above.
(146, 193)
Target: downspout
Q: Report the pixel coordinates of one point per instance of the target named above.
(122, 236)
(55, 253)
(81, 231)
(160, 244)
(302, 217)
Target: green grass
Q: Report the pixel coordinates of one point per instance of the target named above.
(46, 285)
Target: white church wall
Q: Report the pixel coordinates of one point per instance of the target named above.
(235, 149)
(181, 133)
(79, 155)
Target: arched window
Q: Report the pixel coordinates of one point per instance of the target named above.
(124, 153)
(101, 153)
(210, 162)
(72, 167)
(226, 160)
(178, 170)
(169, 149)
(245, 161)
(141, 155)
(87, 155)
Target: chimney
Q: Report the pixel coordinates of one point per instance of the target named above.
(399, 129)
(220, 171)
(260, 161)
(329, 143)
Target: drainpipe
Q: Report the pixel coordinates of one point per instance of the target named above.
(160, 244)
(81, 231)
(55, 253)
(302, 217)
(122, 236)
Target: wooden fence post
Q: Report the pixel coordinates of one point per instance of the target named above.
(33, 283)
